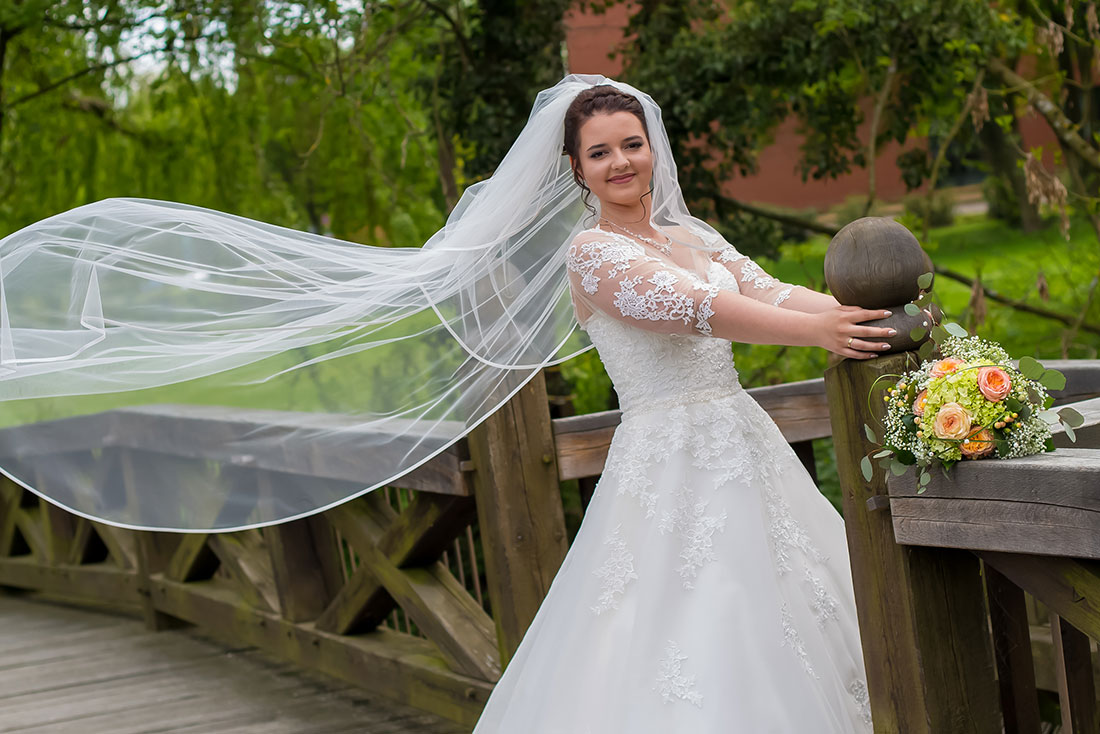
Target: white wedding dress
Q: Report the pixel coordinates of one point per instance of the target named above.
(708, 590)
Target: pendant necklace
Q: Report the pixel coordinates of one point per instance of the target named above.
(665, 247)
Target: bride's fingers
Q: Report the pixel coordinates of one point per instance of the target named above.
(863, 345)
(858, 315)
(872, 331)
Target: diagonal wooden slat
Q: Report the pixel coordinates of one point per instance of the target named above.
(245, 558)
(193, 559)
(29, 522)
(58, 529)
(121, 544)
(443, 610)
(78, 546)
(416, 536)
(10, 495)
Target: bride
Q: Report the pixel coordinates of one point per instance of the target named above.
(708, 589)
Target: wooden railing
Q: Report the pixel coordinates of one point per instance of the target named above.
(420, 592)
(952, 584)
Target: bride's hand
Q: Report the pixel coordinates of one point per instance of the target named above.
(841, 332)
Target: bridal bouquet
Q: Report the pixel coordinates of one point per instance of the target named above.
(971, 403)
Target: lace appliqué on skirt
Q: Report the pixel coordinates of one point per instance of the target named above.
(616, 572)
(671, 683)
(696, 530)
(792, 640)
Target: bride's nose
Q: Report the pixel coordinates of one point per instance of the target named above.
(618, 160)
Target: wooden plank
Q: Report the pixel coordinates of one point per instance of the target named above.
(439, 605)
(1073, 669)
(121, 544)
(921, 611)
(1012, 647)
(101, 582)
(303, 587)
(418, 536)
(82, 536)
(519, 508)
(10, 495)
(800, 409)
(391, 664)
(246, 559)
(58, 529)
(29, 522)
(1038, 528)
(1070, 587)
(193, 559)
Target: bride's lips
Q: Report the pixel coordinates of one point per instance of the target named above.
(621, 179)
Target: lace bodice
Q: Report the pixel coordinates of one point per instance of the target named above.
(649, 318)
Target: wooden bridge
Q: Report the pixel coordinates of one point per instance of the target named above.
(416, 596)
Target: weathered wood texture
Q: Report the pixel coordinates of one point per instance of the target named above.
(921, 611)
(64, 670)
(519, 510)
(1048, 504)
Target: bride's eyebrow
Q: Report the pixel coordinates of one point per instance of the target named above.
(630, 139)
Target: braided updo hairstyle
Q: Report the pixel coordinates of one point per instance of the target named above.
(600, 99)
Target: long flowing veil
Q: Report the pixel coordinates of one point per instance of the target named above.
(169, 367)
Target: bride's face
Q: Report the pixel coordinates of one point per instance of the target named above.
(616, 161)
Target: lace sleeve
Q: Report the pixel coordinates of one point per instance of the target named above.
(751, 278)
(615, 275)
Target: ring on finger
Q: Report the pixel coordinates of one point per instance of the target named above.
(850, 341)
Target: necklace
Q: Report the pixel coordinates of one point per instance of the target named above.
(665, 247)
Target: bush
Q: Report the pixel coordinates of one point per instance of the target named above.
(940, 209)
(852, 209)
(1002, 201)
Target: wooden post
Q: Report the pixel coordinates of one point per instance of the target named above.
(922, 614)
(1012, 644)
(1073, 670)
(519, 510)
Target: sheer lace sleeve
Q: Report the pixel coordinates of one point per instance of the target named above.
(751, 278)
(617, 276)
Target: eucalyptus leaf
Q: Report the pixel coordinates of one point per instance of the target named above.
(1049, 416)
(1013, 404)
(897, 468)
(939, 333)
(924, 281)
(1030, 368)
(955, 330)
(884, 452)
(1071, 417)
(1069, 432)
(917, 333)
(926, 349)
(870, 433)
(912, 309)
(1053, 380)
(920, 489)
(925, 478)
(866, 468)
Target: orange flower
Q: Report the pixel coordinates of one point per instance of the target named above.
(918, 404)
(952, 421)
(978, 444)
(946, 366)
(994, 383)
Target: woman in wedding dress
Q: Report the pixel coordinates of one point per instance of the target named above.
(708, 589)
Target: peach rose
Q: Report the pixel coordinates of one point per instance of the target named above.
(918, 403)
(978, 444)
(952, 421)
(946, 366)
(994, 383)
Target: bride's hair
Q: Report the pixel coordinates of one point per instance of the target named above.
(600, 99)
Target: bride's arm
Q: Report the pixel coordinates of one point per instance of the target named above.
(616, 276)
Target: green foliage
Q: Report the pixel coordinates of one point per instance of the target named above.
(726, 78)
(939, 208)
(1001, 199)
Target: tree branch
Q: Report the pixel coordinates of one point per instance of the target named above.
(942, 152)
(876, 118)
(74, 76)
(1063, 127)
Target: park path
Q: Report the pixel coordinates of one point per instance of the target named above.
(68, 670)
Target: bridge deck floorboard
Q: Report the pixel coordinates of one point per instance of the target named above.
(66, 669)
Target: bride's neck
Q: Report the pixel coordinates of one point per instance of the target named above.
(634, 218)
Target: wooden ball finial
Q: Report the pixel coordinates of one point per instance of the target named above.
(875, 262)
